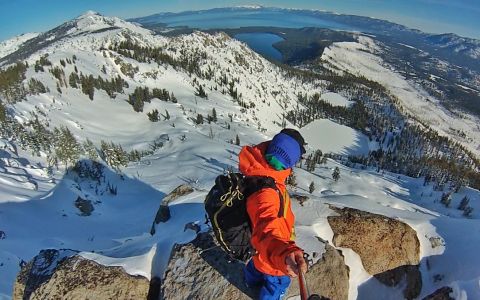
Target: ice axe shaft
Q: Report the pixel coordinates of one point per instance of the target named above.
(304, 293)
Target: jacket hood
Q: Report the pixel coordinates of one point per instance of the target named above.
(252, 163)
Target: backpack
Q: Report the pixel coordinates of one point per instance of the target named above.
(226, 209)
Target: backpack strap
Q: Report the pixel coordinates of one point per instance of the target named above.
(253, 184)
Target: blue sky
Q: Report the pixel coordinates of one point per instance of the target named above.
(436, 16)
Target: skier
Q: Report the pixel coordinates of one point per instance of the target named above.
(277, 257)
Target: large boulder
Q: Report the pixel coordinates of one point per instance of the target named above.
(328, 277)
(201, 270)
(63, 274)
(389, 249)
(163, 213)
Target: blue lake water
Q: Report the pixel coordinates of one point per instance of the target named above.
(262, 43)
(246, 18)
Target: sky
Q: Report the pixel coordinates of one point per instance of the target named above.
(436, 16)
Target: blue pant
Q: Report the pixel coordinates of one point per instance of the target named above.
(272, 287)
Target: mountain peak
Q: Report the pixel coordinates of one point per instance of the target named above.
(89, 13)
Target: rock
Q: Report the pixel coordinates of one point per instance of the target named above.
(63, 274)
(388, 248)
(85, 206)
(440, 294)
(327, 278)
(2, 235)
(163, 213)
(201, 270)
(394, 277)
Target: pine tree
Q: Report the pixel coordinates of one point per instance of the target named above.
(90, 150)
(336, 174)
(67, 149)
(199, 119)
(446, 199)
(237, 140)
(153, 115)
(311, 187)
(214, 115)
(292, 179)
(463, 203)
(3, 113)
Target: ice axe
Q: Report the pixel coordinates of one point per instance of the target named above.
(304, 292)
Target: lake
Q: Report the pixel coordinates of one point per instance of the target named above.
(262, 43)
(225, 18)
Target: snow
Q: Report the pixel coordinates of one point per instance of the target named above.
(329, 136)
(336, 99)
(352, 57)
(37, 208)
(12, 45)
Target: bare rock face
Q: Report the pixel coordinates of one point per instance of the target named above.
(327, 278)
(440, 294)
(201, 270)
(389, 249)
(62, 274)
(84, 206)
(163, 213)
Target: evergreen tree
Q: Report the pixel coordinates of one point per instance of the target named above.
(67, 149)
(446, 199)
(336, 174)
(214, 115)
(200, 92)
(199, 119)
(292, 179)
(3, 113)
(311, 187)
(114, 155)
(237, 140)
(90, 150)
(153, 115)
(463, 203)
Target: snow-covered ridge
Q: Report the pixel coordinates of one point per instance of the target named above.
(12, 45)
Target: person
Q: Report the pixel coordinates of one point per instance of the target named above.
(277, 257)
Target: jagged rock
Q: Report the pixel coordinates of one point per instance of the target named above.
(440, 294)
(163, 213)
(327, 278)
(394, 277)
(200, 270)
(85, 206)
(62, 274)
(388, 248)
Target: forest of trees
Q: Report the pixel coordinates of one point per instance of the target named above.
(406, 147)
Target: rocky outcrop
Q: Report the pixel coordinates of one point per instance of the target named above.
(440, 294)
(201, 270)
(163, 213)
(328, 277)
(84, 206)
(62, 274)
(389, 249)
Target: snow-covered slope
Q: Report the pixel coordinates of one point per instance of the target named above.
(38, 207)
(358, 58)
(12, 45)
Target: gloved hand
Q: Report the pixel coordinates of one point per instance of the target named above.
(295, 262)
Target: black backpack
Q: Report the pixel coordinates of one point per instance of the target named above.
(226, 209)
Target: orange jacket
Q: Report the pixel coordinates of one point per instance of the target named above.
(272, 236)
